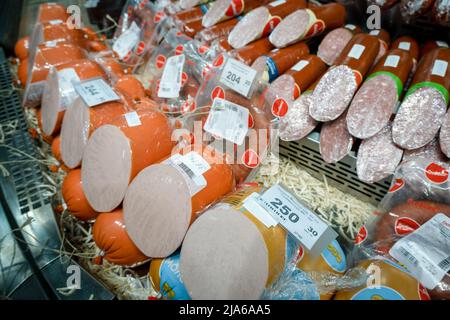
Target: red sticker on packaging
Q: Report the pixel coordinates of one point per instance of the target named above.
(187, 107)
(405, 225)
(140, 48)
(270, 25)
(236, 7)
(184, 78)
(436, 173)
(361, 236)
(205, 71)
(217, 92)
(127, 57)
(423, 293)
(251, 122)
(203, 49)
(219, 61)
(250, 159)
(179, 50)
(301, 253)
(158, 17)
(398, 184)
(160, 61)
(317, 28)
(280, 107)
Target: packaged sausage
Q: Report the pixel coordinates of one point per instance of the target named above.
(22, 47)
(278, 61)
(59, 92)
(441, 12)
(74, 198)
(383, 4)
(188, 4)
(196, 175)
(81, 119)
(165, 277)
(411, 227)
(430, 45)
(36, 68)
(395, 283)
(334, 42)
(116, 152)
(335, 140)
(444, 135)
(409, 45)
(422, 111)
(385, 41)
(51, 12)
(252, 51)
(110, 235)
(336, 88)
(378, 156)
(222, 10)
(431, 152)
(223, 29)
(306, 23)
(414, 8)
(260, 22)
(376, 100)
(289, 86)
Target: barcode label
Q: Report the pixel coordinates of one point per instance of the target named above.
(127, 40)
(424, 252)
(445, 264)
(170, 84)
(187, 170)
(409, 256)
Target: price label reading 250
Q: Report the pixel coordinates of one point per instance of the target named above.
(238, 76)
(312, 232)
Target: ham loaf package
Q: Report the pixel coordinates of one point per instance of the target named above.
(412, 226)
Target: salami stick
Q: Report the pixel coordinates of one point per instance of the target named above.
(336, 88)
(220, 30)
(261, 21)
(422, 112)
(306, 23)
(375, 101)
(252, 51)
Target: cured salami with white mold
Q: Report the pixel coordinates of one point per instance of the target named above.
(260, 22)
(335, 140)
(306, 23)
(375, 101)
(195, 177)
(385, 41)
(336, 88)
(378, 156)
(431, 152)
(422, 112)
(334, 43)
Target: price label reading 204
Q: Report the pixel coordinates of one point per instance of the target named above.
(238, 77)
(233, 77)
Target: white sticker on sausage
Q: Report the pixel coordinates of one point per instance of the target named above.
(300, 65)
(426, 251)
(228, 121)
(392, 61)
(127, 40)
(350, 26)
(276, 3)
(442, 44)
(374, 32)
(440, 68)
(170, 84)
(404, 46)
(132, 119)
(356, 51)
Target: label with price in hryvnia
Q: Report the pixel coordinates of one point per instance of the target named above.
(238, 77)
(312, 232)
(95, 92)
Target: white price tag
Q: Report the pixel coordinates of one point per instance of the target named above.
(426, 251)
(442, 44)
(96, 91)
(300, 65)
(127, 40)
(404, 46)
(132, 119)
(192, 167)
(91, 3)
(350, 26)
(170, 83)
(55, 22)
(228, 121)
(312, 232)
(440, 68)
(276, 3)
(356, 51)
(392, 61)
(238, 76)
(252, 206)
(374, 32)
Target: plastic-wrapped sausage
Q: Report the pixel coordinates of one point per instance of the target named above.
(222, 10)
(374, 103)
(383, 4)
(189, 15)
(334, 43)
(297, 123)
(188, 4)
(431, 152)
(22, 47)
(415, 8)
(254, 50)
(306, 23)
(278, 61)
(422, 112)
(288, 87)
(261, 21)
(336, 88)
(223, 29)
(378, 156)
(441, 12)
(335, 140)
(430, 45)
(385, 41)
